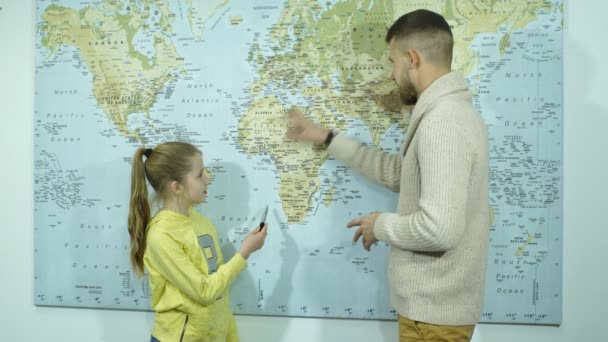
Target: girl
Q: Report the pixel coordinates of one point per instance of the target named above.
(179, 248)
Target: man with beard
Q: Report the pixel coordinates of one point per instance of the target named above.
(438, 235)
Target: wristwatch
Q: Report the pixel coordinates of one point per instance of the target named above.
(329, 138)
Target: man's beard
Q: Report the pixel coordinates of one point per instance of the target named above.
(407, 93)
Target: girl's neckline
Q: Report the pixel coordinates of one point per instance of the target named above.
(169, 212)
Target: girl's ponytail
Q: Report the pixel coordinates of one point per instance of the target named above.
(139, 211)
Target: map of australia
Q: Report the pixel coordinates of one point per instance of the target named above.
(114, 75)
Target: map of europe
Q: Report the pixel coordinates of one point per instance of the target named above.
(114, 75)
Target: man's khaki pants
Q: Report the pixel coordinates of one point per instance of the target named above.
(414, 331)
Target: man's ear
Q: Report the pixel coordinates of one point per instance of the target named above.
(175, 187)
(413, 57)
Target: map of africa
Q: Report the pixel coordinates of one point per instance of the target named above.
(115, 75)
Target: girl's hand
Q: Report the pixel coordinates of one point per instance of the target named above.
(253, 241)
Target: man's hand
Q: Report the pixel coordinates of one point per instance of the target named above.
(302, 129)
(366, 228)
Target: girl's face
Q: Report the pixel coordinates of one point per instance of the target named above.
(196, 181)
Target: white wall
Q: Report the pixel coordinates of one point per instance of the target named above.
(585, 207)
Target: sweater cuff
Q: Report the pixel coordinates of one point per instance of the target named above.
(237, 263)
(343, 148)
(381, 227)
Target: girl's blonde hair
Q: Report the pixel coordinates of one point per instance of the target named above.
(167, 162)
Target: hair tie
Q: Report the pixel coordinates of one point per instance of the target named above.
(148, 152)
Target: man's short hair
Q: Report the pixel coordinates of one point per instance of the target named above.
(426, 31)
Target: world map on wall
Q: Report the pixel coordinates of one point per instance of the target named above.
(115, 75)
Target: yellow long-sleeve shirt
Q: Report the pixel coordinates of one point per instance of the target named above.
(189, 279)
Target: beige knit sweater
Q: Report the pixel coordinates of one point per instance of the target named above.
(439, 233)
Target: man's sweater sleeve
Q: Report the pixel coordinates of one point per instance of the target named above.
(374, 164)
(445, 161)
